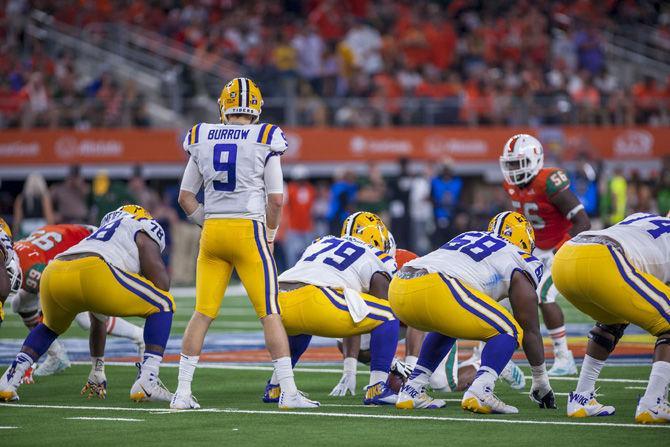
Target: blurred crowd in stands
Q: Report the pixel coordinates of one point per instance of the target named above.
(356, 62)
(423, 205)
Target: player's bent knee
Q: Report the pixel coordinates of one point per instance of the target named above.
(607, 335)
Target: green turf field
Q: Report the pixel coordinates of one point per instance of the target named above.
(236, 315)
(52, 413)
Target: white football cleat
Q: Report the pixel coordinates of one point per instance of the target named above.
(56, 361)
(584, 405)
(652, 411)
(297, 400)
(485, 403)
(9, 383)
(184, 402)
(149, 388)
(513, 375)
(564, 365)
(410, 398)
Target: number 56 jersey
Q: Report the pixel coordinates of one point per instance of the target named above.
(483, 260)
(340, 262)
(231, 160)
(114, 241)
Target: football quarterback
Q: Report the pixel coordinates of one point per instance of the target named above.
(237, 163)
(543, 195)
(124, 255)
(469, 275)
(619, 276)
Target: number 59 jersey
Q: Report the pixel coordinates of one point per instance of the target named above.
(340, 262)
(114, 241)
(645, 239)
(231, 160)
(483, 260)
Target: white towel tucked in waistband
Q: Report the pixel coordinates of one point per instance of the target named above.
(358, 309)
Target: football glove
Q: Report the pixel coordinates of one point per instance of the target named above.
(96, 385)
(401, 368)
(346, 384)
(544, 398)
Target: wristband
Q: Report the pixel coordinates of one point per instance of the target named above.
(197, 216)
(271, 233)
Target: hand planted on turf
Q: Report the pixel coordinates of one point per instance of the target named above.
(96, 385)
(401, 368)
(347, 383)
(543, 397)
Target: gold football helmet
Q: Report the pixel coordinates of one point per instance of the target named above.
(515, 228)
(137, 211)
(369, 228)
(4, 227)
(241, 96)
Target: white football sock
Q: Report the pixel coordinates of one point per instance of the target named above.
(658, 381)
(560, 340)
(422, 377)
(187, 364)
(151, 364)
(284, 372)
(119, 327)
(378, 376)
(485, 380)
(23, 362)
(411, 360)
(589, 373)
(439, 377)
(83, 320)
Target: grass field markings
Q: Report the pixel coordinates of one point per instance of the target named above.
(91, 418)
(225, 324)
(565, 379)
(483, 419)
(8, 427)
(633, 388)
(82, 407)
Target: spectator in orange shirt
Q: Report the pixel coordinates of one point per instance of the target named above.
(646, 96)
(298, 207)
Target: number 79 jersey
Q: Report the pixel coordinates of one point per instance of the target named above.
(483, 260)
(645, 239)
(231, 160)
(340, 262)
(114, 241)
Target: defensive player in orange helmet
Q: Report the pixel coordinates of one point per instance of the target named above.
(543, 195)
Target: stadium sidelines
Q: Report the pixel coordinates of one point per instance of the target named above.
(333, 415)
(320, 370)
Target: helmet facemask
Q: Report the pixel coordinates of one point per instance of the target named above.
(519, 170)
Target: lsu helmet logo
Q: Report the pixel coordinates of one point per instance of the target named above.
(369, 228)
(241, 96)
(515, 228)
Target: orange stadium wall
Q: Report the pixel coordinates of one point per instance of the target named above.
(64, 147)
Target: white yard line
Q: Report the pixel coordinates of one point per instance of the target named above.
(89, 418)
(7, 427)
(483, 419)
(633, 388)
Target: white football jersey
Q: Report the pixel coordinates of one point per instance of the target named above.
(340, 262)
(114, 241)
(231, 160)
(645, 239)
(483, 260)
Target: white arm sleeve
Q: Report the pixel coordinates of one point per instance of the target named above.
(274, 179)
(192, 180)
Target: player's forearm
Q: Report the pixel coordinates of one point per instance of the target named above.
(580, 222)
(97, 337)
(351, 346)
(273, 210)
(533, 346)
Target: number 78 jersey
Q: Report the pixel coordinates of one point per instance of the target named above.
(231, 160)
(340, 262)
(483, 260)
(115, 242)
